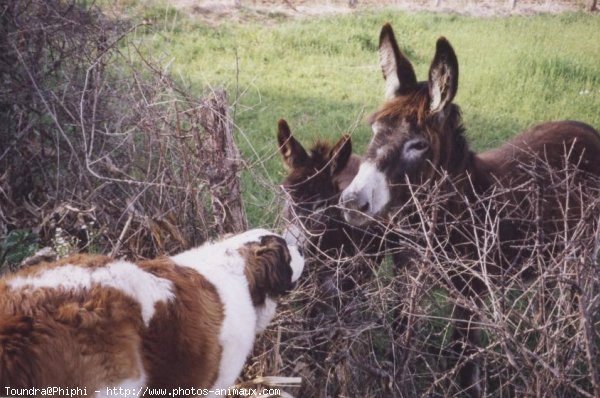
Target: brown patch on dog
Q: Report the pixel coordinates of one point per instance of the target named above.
(181, 344)
(50, 337)
(96, 338)
(268, 268)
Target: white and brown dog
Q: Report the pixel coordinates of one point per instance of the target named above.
(186, 321)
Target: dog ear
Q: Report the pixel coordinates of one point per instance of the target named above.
(268, 268)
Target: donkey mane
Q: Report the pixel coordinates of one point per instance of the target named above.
(413, 103)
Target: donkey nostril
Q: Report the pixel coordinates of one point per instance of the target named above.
(352, 201)
(364, 207)
(347, 200)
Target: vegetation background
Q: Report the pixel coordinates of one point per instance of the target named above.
(314, 64)
(321, 73)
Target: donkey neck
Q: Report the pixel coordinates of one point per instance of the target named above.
(469, 172)
(479, 173)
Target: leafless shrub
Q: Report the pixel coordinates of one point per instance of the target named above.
(391, 335)
(101, 142)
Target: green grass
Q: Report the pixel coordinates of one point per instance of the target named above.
(322, 75)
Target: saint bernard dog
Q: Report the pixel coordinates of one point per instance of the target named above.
(101, 324)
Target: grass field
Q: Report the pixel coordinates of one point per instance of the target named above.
(322, 75)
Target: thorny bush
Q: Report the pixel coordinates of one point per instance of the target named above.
(99, 148)
(390, 335)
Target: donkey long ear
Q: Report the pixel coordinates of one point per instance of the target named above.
(397, 70)
(340, 154)
(292, 152)
(443, 76)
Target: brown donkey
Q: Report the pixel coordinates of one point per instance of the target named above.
(418, 142)
(344, 254)
(314, 182)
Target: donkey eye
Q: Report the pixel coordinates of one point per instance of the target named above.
(419, 145)
(415, 148)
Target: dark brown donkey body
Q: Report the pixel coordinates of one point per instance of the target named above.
(418, 142)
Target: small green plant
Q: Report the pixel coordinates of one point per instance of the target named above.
(63, 243)
(16, 246)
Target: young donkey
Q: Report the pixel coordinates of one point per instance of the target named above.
(93, 325)
(418, 142)
(314, 182)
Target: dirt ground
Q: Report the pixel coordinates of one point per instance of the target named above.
(215, 11)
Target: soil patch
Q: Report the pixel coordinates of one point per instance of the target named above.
(215, 12)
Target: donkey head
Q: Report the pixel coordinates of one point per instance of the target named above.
(314, 182)
(416, 132)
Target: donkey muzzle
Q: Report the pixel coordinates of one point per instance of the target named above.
(356, 207)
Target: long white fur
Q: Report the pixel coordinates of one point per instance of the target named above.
(294, 235)
(436, 90)
(124, 276)
(297, 262)
(376, 127)
(264, 314)
(223, 266)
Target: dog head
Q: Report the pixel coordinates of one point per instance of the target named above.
(272, 268)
